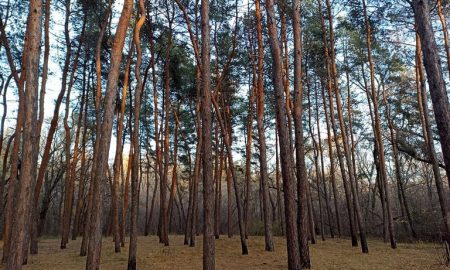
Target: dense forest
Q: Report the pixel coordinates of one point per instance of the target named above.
(298, 122)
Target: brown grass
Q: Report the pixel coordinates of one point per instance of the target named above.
(331, 254)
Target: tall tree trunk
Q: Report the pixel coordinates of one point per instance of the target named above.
(435, 77)
(135, 165)
(97, 100)
(261, 132)
(332, 165)
(397, 165)
(248, 157)
(20, 216)
(352, 181)
(278, 185)
(73, 165)
(218, 180)
(53, 125)
(443, 200)
(69, 183)
(148, 221)
(329, 76)
(322, 166)
(378, 135)
(118, 164)
(101, 161)
(83, 169)
(173, 186)
(208, 180)
(287, 163)
(311, 224)
(318, 176)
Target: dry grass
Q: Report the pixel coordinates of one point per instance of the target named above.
(331, 254)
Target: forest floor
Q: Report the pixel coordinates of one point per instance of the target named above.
(329, 254)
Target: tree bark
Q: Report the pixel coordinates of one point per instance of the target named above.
(442, 17)
(378, 135)
(443, 200)
(22, 208)
(208, 180)
(329, 77)
(135, 165)
(95, 233)
(287, 164)
(352, 180)
(264, 176)
(433, 67)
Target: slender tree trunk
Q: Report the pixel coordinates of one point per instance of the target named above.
(164, 208)
(352, 181)
(219, 195)
(329, 76)
(287, 163)
(325, 191)
(278, 185)
(82, 179)
(97, 99)
(69, 184)
(148, 221)
(135, 165)
(208, 180)
(332, 165)
(311, 225)
(264, 176)
(317, 175)
(302, 180)
(118, 164)
(378, 136)
(398, 172)
(73, 164)
(173, 186)
(248, 157)
(99, 172)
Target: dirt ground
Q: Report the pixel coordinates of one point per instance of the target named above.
(330, 254)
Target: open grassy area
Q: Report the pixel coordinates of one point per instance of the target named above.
(331, 254)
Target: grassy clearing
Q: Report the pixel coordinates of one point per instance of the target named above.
(331, 254)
